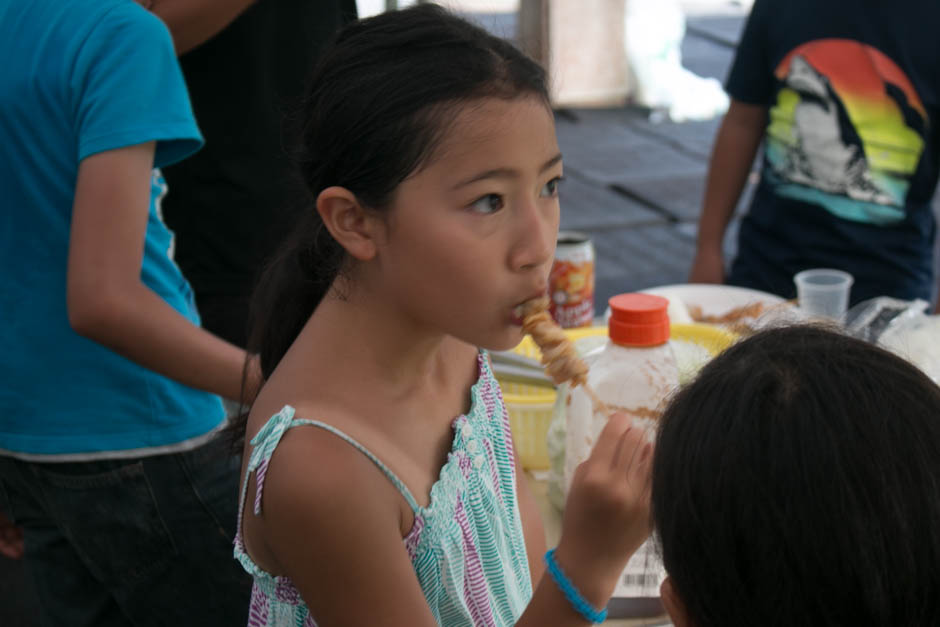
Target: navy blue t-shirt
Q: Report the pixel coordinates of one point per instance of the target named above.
(851, 147)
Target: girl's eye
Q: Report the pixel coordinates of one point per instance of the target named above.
(551, 188)
(490, 203)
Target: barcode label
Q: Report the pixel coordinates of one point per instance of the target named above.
(643, 574)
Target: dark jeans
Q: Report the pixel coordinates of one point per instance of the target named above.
(141, 542)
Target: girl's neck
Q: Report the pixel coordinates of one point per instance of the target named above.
(378, 344)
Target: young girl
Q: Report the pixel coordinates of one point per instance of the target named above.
(380, 483)
(797, 482)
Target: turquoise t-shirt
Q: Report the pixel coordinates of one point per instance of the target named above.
(80, 77)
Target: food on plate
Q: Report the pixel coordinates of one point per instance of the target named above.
(746, 319)
(736, 314)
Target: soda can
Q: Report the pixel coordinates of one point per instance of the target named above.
(571, 282)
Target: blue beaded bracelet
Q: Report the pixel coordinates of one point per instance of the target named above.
(578, 602)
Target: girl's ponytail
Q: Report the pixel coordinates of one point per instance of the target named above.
(288, 291)
(290, 288)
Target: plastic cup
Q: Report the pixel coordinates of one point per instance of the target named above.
(823, 292)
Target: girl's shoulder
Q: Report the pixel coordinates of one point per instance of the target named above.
(302, 485)
(324, 505)
(292, 450)
(311, 464)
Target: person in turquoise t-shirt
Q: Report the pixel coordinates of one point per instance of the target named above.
(109, 405)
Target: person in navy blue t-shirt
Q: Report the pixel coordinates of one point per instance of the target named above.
(844, 96)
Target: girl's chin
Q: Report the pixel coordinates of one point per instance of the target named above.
(503, 338)
(509, 340)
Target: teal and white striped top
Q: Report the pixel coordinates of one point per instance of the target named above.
(467, 546)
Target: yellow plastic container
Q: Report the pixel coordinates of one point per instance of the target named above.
(530, 407)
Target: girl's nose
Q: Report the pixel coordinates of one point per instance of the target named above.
(535, 234)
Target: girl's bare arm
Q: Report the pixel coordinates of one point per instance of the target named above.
(331, 524)
(331, 521)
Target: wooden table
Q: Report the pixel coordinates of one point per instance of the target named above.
(551, 518)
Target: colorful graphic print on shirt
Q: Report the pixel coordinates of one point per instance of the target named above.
(847, 131)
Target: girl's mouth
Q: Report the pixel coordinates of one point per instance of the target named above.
(534, 303)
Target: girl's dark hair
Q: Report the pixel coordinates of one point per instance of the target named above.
(796, 481)
(376, 107)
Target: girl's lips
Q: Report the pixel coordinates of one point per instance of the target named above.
(517, 311)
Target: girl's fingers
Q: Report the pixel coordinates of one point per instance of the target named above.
(630, 446)
(608, 442)
(635, 463)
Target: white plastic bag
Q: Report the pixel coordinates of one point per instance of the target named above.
(917, 339)
(653, 32)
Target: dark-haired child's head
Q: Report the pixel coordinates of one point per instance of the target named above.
(797, 481)
(379, 106)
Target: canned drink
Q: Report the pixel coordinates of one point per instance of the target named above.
(571, 282)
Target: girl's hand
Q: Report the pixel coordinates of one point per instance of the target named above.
(607, 514)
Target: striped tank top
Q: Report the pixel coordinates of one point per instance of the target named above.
(467, 546)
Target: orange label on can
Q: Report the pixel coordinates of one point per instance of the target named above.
(571, 287)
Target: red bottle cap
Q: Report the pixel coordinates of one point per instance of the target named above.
(638, 320)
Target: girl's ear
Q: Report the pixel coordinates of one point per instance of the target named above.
(350, 224)
(674, 605)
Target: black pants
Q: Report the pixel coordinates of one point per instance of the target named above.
(141, 542)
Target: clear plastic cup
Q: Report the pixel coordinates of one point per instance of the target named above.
(823, 292)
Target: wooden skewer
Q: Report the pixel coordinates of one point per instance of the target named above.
(550, 338)
(599, 405)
